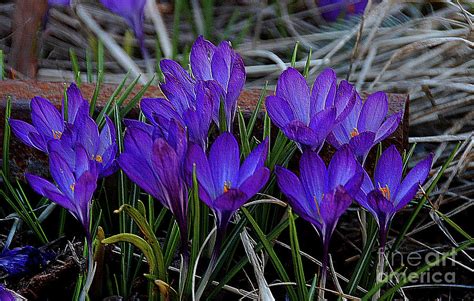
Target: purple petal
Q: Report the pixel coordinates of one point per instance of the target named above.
(301, 133)
(76, 104)
(314, 176)
(23, 131)
(200, 58)
(226, 204)
(48, 190)
(131, 10)
(322, 123)
(342, 168)
(38, 141)
(88, 134)
(129, 123)
(178, 96)
(107, 136)
(255, 160)
(254, 183)
(46, 118)
(324, 91)
(373, 112)
(62, 174)
(172, 69)
(279, 111)
(83, 192)
(388, 127)
(158, 107)
(362, 143)
(177, 138)
(388, 171)
(136, 159)
(174, 195)
(365, 188)
(292, 188)
(82, 162)
(331, 208)
(203, 172)
(293, 88)
(409, 186)
(345, 100)
(381, 208)
(224, 162)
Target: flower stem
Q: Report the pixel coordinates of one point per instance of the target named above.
(324, 268)
(380, 263)
(212, 264)
(90, 269)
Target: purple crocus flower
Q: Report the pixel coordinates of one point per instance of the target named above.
(101, 147)
(48, 123)
(224, 184)
(321, 195)
(304, 117)
(388, 193)
(75, 186)
(193, 112)
(154, 162)
(133, 11)
(220, 64)
(366, 125)
(6, 295)
(332, 9)
(21, 261)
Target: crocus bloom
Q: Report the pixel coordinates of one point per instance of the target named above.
(321, 195)
(21, 261)
(366, 125)
(48, 123)
(332, 9)
(101, 147)
(133, 11)
(75, 186)
(388, 193)
(154, 163)
(6, 295)
(304, 117)
(194, 112)
(209, 62)
(224, 184)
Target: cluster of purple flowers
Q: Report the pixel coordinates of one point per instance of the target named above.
(336, 114)
(79, 154)
(163, 155)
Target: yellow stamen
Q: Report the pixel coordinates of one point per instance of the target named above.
(354, 132)
(72, 186)
(385, 191)
(98, 158)
(226, 186)
(57, 134)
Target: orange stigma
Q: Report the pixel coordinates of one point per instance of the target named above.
(226, 186)
(57, 134)
(72, 186)
(98, 158)
(317, 204)
(354, 132)
(385, 191)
